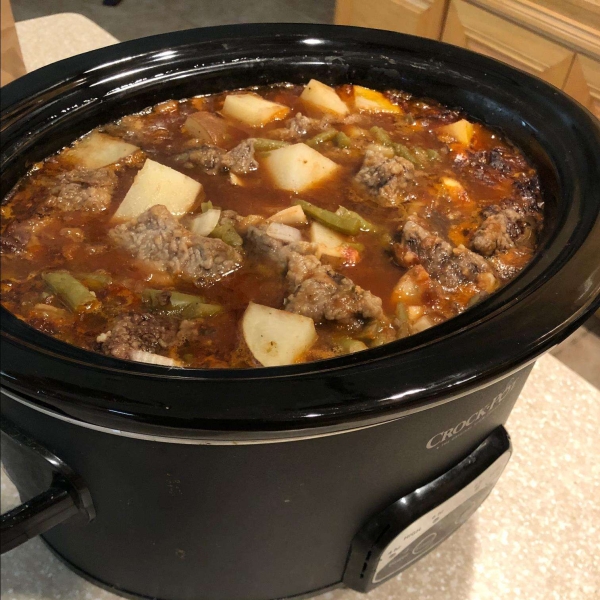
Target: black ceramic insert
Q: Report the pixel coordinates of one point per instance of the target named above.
(50, 107)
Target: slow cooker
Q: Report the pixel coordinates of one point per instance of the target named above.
(288, 481)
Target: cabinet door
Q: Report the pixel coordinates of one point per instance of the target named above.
(583, 83)
(417, 17)
(481, 31)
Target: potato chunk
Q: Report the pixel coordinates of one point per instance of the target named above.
(98, 150)
(462, 131)
(324, 98)
(252, 110)
(276, 337)
(368, 100)
(158, 184)
(294, 215)
(329, 242)
(298, 167)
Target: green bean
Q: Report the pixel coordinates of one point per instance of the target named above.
(346, 224)
(228, 234)
(349, 345)
(95, 281)
(421, 155)
(156, 298)
(386, 240)
(381, 136)
(266, 145)
(180, 300)
(432, 154)
(197, 310)
(322, 137)
(71, 292)
(342, 140)
(404, 152)
(356, 245)
(183, 305)
(364, 224)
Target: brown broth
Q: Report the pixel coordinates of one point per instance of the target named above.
(218, 342)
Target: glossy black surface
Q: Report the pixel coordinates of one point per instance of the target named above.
(246, 521)
(50, 107)
(377, 536)
(52, 491)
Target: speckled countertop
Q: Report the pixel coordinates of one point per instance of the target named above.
(535, 537)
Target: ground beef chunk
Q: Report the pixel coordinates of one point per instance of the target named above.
(492, 166)
(82, 189)
(17, 235)
(384, 177)
(230, 217)
(157, 236)
(259, 242)
(133, 331)
(499, 231)
(316, 290)
(213, 160)
(322, 294)
(299, 126)
(241, 159)
(264, 244)
(450, 266)
(527, 198)
(207, 158)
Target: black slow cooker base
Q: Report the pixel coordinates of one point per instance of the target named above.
(131, 596)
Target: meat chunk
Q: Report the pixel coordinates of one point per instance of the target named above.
(208, 158)
(316, 290)
(385, 177)
(298, 126)
(278, 251)
(322, 294)
(157, 236)
(500, 231)
(82, 189)
(450, 266)
(240, 160)
(132, 331)
(19, 234)
(213, 160)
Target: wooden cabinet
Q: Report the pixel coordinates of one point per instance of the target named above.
(481, 31)
(557, 40)
(583, 83)
(417, 17)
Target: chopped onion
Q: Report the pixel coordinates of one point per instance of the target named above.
(205, 223)
(235, 180)
(152, 359)
(415, 312)
(422, 324)
(283, 233)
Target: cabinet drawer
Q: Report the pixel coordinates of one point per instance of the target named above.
(583, 83)
(417, 17)
(481, 31)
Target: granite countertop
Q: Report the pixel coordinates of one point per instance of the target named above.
(535, 537)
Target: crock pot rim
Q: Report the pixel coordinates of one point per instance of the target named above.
(34, 83)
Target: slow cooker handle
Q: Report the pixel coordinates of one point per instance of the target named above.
(66, 496)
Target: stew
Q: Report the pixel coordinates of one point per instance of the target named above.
(267, 226)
